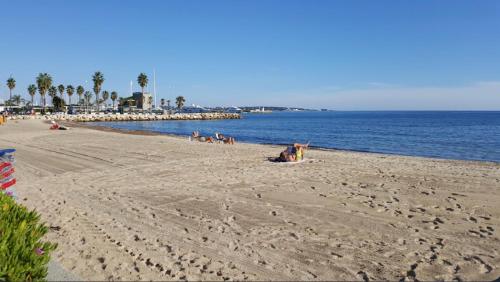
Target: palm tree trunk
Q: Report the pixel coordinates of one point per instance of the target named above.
(10, 94)
(142, 98)
(32, 104)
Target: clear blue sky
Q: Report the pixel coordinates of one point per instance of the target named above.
(346, 55)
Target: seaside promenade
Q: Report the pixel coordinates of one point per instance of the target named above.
(134, 207)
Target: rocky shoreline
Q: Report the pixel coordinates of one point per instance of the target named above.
(128, 117)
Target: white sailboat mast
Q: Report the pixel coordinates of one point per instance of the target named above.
(154, 87)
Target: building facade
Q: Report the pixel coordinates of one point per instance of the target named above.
(143, 102)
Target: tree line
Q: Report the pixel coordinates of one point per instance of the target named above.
(44, 85)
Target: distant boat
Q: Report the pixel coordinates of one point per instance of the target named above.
(233, 110)
(261, 111)
(194, 109)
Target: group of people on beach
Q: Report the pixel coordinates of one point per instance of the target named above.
(293, 153)
(219, 137)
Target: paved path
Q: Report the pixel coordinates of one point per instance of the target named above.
(58, 273)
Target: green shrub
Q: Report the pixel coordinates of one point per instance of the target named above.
(23, 256)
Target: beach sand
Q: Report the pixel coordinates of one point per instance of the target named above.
(133, 207)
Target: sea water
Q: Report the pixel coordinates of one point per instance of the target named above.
(441, 134)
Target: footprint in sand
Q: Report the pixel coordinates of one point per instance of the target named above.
(483, 266)
(336, 256)
(472, 219)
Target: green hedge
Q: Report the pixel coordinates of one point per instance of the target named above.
(23, 256)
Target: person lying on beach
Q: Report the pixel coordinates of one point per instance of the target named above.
(288, 155)
(196, 136)
(293, 153)
(226, 140)
(55, 126)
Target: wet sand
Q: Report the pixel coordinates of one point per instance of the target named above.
(136, 207)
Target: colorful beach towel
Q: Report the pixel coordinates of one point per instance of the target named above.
(6, 151)
(7, 179)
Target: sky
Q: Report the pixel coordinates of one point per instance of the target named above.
(341, 55)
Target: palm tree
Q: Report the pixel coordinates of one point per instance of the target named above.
(168, 104)
(16, 100)
(70, 90)
(105, 96)
(142, 79)
(98, 79)
(53, 94)
(44, 81)
(179, 101)
(87, 96)
(114, 96)
(79, 91)
(32, 92)
(162, 102)
(11, 83)
(61, 89)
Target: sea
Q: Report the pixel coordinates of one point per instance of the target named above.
(461, 135)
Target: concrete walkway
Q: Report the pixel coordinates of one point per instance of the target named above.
(57, 273)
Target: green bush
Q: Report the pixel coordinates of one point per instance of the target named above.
(23, 256)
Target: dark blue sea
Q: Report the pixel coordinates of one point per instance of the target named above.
(442, 134)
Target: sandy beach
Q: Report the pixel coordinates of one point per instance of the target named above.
(135, 207)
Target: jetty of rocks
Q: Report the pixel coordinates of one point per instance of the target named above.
(129, 117)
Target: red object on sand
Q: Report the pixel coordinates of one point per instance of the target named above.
(8, 184)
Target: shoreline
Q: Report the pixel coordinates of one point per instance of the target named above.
(134, 207)
(312, 147)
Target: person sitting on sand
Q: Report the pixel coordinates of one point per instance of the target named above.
(219, 137)
(226, 140)
(299, 150)
(196, 136)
